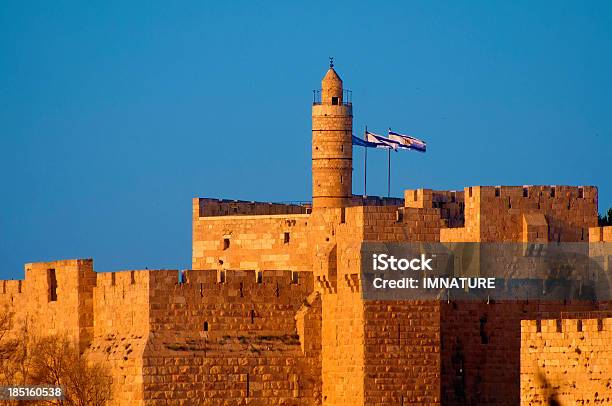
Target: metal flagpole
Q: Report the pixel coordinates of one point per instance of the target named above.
(389, 174)
(365, 165)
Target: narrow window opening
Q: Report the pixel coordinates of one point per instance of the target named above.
(559, 327)
(599, 324)
(552, 192)
(341, 179)
(52, 281)
(221, 276)
(538, 326)
(415, 195)
(399, 334)
(453, 197)
(580, 193)
(248, 385)
(484, 338)
(579, 325)
(132, 278)
(252, 316)
(497, 191)
(205, 326)
(295, 277)
(113, 281)
(335, 100)
(525, 192)
(342, 216)
(470, 191)
(286, 238)
(342, 147)
(259, 277)
(226, 243)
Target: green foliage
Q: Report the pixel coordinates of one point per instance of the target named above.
(606, 219)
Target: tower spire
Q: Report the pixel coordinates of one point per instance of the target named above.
(332, 152)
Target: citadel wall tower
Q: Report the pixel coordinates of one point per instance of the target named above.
(273, 312)
(332, 151)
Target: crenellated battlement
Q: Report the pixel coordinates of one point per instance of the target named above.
(14, 286)
(600, 234)
(123, 278)
(38, 274)
(566, 360)
(543, 328)
(427, 198)
(207, 207)
(552, 192)
(56, 294)
(210, 283)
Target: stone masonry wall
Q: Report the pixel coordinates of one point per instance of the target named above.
(250, 242)
(273, 313)
(229, 339)
(332, 153)
(121, 331)
(481, 346)
(600, 234)
(495, 214)
(55, 298)
(566, 361)
(220, 335)
(336, 264)
(402, 353)
(383, 352)
(221, 207)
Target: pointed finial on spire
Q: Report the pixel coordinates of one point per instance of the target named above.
(331, 61)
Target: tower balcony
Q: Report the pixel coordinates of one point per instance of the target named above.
(346, 100)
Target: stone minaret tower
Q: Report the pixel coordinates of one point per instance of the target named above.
(332, 149)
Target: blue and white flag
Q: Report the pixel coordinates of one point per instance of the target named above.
(363, 143)
(382, 142)
(408, 142)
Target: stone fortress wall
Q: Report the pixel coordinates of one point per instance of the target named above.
(272, 311)
(139, 320)
(566, 360)
(219, 335)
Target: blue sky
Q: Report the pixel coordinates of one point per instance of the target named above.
(113, 115)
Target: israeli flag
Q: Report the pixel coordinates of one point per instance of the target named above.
(408, 142)
(382, 142)
(363, 143)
